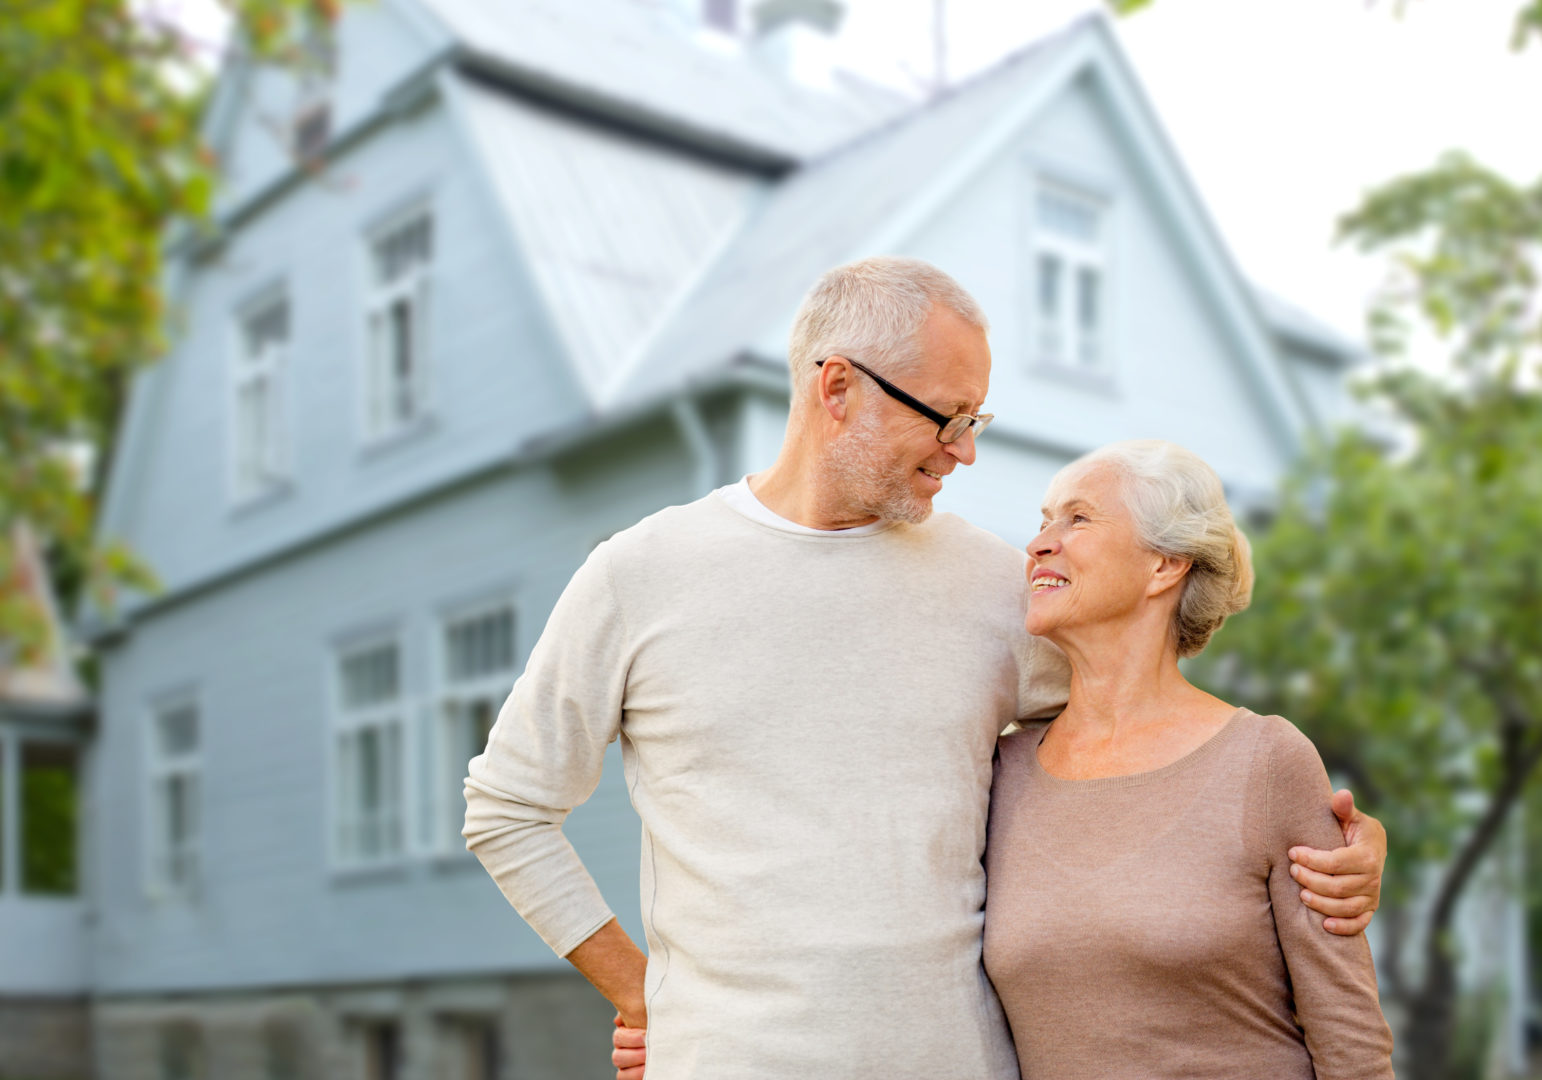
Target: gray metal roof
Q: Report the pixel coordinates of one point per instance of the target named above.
(612, 226)
(819, 217)
(632, 61)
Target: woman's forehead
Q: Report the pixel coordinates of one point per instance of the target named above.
(1093, 483)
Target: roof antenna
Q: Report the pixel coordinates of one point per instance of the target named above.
(939, 47)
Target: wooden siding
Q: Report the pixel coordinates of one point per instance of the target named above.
(257, 653)
(495, 371)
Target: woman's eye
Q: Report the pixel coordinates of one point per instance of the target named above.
(1078, 517)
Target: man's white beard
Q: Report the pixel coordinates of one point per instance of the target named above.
(870, 484)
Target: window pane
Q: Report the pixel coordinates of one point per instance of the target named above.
(1049, 284)
(481, 645)
(401, 356)
(1050, 273)
(177, 731)
(49, 819)
(370, 677)
(369, 771)
(403, 250)
(1088, 300)
(1069, 217)
(266, 328)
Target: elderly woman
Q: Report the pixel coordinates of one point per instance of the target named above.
(1103, 820)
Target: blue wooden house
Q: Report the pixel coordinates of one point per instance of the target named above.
(489, 282)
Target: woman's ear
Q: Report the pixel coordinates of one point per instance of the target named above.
(1169, 573)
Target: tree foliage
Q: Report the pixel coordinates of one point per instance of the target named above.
(99, 156)
(1396, 616)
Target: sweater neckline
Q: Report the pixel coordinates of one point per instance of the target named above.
(1200, 753)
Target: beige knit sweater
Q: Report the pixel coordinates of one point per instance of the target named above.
(807, 724)
(1147, 926)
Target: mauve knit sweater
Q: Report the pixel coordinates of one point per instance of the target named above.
(1148, 926)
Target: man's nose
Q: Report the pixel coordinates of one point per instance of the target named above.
(962, 448)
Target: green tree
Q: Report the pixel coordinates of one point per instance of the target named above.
(100, 157)
(1396, 616)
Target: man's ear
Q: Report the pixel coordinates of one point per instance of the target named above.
(832, 383)
(1168, 573)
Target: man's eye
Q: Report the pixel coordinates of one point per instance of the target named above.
(1078, 517)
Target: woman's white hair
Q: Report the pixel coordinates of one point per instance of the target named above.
(1179, 508)
(873, 310)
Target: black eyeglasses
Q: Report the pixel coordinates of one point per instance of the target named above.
(949, 428)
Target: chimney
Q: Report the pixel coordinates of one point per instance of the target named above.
(797, 39)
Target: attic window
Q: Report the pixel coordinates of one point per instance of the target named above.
(721, 15)
(1070, 280)
(396, 388)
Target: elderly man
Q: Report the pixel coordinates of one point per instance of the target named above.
(808, 672)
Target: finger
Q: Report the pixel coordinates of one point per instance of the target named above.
(625, 1038)
(628, 1059)
(1349, 908)
(1347, 927)
(630, 1074)
(1356, 859)
(1344, 805)
(1337, 886)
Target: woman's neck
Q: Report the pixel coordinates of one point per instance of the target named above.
(1124, 681)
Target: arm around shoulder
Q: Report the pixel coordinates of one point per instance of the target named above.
(1332, 977)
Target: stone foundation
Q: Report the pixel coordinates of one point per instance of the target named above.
(44, 1039)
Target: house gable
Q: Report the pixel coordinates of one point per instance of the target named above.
(919, 186)
(495, 371)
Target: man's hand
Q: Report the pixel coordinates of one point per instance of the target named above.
(630, 1054)
(1344, 884)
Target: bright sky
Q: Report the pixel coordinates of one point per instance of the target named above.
(1284, 111)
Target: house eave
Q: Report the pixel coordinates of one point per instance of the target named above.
(747, 373)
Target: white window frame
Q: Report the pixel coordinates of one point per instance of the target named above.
(444, 809)
(384, 416)
(1075, 257)
(259, 466)
(161, 770)
(388, 719)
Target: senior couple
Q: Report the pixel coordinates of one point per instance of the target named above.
(811, 674)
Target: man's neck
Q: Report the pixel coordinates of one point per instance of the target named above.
(791, 488)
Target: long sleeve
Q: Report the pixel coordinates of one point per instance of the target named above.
(1332, 977)
(544, 757)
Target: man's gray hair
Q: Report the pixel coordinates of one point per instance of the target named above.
(873, 310)
(1179, 507)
